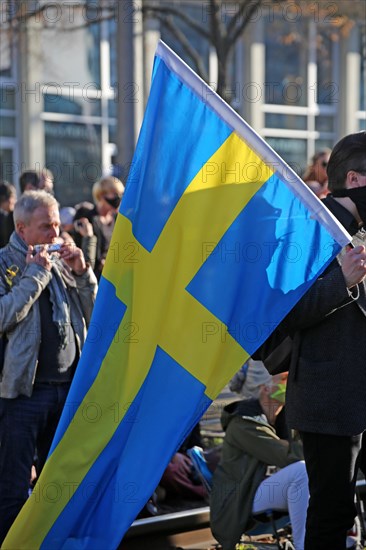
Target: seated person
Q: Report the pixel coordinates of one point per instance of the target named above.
(179, 477)
(179, 480)
(240, 485)
(247, 383)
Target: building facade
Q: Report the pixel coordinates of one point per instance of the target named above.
(74, 81)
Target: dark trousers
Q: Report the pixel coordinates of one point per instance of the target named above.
(27, 426)
(332, 463)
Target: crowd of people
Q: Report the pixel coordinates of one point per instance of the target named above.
(45, 307)
(46, 300)
(88, 225)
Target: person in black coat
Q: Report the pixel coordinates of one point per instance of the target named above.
(8, 197)
(326, 391)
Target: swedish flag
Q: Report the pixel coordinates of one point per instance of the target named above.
(215, 241)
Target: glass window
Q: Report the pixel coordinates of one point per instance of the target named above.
(112, 35)
(6, 164)
(235, 90)
(321, 144)
(7, 126)
(112, 108)
(71, 105)
(276, 120)
(7, 11)
(327, 89)
(7, 97)
(324, 124)
(71, 56)
(286, 62)
(113, 133)
(293, 151)
(5, 52)
(73, 154)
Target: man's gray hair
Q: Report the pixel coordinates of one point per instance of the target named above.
(29, 201)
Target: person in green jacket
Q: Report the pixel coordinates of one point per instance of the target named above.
(241, 486)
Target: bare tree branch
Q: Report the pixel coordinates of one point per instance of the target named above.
(219, 28)
(184, 42)
(170, 10)
(83, 25)
(233, 37)
(240, 14)
(216, 28)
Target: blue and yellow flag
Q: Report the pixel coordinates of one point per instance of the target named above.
(215, 241)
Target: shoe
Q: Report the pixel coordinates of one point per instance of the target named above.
(353, 541)
(200, 466)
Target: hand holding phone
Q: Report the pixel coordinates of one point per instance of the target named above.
(38, 254)
(84, 227)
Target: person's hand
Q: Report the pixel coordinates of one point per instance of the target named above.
(41, 258)
(84, 227)
(182, 462)
(73, 257)
(354, 266)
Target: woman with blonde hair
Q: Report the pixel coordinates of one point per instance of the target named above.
(315, 175)
(107, 196)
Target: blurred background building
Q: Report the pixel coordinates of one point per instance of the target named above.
(75, 77)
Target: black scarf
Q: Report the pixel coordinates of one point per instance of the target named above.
(358, 196)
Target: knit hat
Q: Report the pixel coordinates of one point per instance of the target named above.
(255, 376)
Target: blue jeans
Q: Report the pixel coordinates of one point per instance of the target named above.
(288, 490)
(27, 427)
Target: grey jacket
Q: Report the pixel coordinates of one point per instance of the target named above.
(326, 389)
(20, 316)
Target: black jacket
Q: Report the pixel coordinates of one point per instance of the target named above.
(326, 390)
(6, 227)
